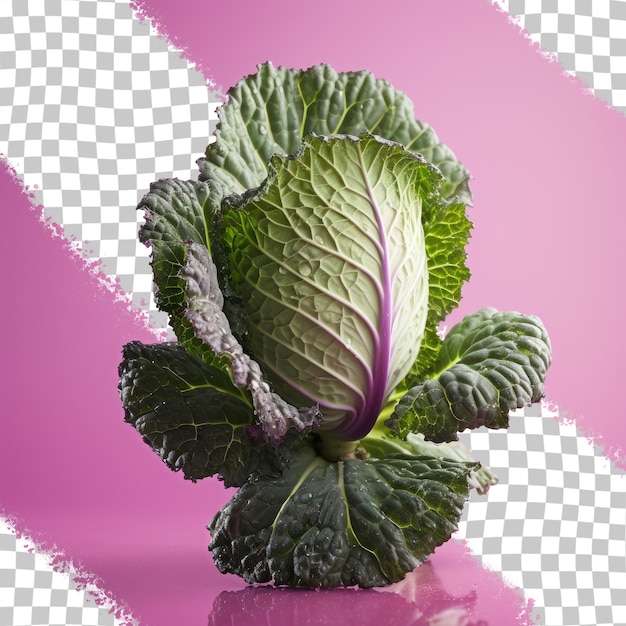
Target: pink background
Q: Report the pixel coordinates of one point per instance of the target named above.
(547, 163)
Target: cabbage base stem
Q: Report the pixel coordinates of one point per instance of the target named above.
(333, 448)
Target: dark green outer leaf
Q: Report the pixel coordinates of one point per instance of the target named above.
(205, 300)
(182, 409)
(488, 364)
(323, 524)
(178, 213)
(271, 111)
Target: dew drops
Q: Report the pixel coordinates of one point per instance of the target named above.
(304, 268)
(262, 129)
(305, 497)
(282, 270)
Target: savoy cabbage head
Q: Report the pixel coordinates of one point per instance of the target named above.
(305, 275)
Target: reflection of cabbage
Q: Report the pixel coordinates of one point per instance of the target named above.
(330, 260)
(421, 599)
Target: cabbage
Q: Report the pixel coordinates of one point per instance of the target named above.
(305, 275)
(329, 259)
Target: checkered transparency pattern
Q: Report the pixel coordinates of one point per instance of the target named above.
(587, 37)
(555, 525)
(32, 592)
(94, 108)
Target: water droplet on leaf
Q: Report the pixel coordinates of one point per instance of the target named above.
(305, 268)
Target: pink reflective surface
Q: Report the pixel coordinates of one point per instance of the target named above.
(435, 593)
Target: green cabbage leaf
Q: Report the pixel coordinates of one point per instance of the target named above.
(329, 258)
(489, 364)
(177, 403)
(344, 523)
(271, 111)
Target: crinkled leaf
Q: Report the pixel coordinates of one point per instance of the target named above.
(330, 261)
(184, 411)
(176, 211)
(271, 111)
(204, 311)
(446, 233)
(381, 442)
(489, 363)
(355, 522)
